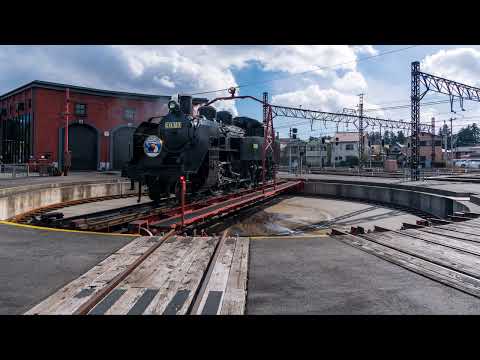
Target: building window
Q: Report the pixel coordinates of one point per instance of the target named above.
(129, 114)
(81, 109)
(423, 143)
(29, 103)
(438, 142)
(349, 147)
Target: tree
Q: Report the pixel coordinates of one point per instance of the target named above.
(469, 136)
(401, 139)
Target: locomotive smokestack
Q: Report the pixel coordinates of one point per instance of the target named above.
(186, 105)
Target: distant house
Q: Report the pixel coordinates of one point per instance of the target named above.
(345, 147)
(318, 152)
(466, 152)
(292, 152)
(425, 147)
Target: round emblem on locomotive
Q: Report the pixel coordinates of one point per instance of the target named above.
(152, 146)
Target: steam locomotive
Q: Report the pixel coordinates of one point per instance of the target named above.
(213, 151)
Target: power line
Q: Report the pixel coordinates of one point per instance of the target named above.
(308, 71)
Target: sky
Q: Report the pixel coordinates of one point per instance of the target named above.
(320, 77)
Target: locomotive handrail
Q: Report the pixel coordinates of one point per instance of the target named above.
(236, 97)
(154, 117)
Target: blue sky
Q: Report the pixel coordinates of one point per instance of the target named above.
(385, 80)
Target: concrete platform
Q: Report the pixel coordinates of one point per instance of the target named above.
(325, 276)
(25, 194)
(74, 177)
(35, 263)
(449, 188)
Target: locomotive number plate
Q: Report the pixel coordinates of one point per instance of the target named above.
(173, 125)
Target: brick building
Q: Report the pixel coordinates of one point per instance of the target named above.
(425, 149)
(101, 122)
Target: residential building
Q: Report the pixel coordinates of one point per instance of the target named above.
(292, 152)
(318, 152)
(425, 149)
(345, 148)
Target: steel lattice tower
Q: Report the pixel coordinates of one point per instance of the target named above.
(415, 124)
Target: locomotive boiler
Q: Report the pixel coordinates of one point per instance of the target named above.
(213, 151)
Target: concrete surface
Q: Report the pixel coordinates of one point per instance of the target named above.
(461, 188)
(434, 204)
(325, 276)
(35, 263)
(25, 198)
(79, 176)
(306, 215)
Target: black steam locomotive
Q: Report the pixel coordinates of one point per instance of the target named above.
(213, 151)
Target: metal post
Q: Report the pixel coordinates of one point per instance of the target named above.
(451, 140)
(415, 122)
(361, 144)
(290, 152)
(268, 139)
(66, 157)
(433, 141)
(183, 191)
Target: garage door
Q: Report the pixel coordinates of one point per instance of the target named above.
(82, 141)
(122, 146)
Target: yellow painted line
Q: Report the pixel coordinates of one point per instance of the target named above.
(64, 230)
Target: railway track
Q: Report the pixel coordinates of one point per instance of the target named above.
(448, 253)
(168, 275)
(29, 216)
(146, 217)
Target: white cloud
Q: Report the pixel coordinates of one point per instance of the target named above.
(365, 49)
(172, 69)
(315, 98)
(165, 81)
(460, 64)
(352, 81)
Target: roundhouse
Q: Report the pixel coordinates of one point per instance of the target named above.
(100, 126)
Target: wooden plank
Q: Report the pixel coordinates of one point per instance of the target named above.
(451, 233)
(192, 279)
(420, 266)
(151, 273)
(441, 255)
(466, 228)
(179, 266)
(203, 286)
(126, 302)
(188, 277)
(67, 300)
(462, 245)
(74, 287)
(219, 276)
(71, 304)
(234, 301)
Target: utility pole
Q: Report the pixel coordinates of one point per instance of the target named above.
(445, 138)
(451, 139)
(433, 141)
(290, 151)
(361, 143)
(67, 161)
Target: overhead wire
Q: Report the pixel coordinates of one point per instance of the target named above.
(307, 71)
